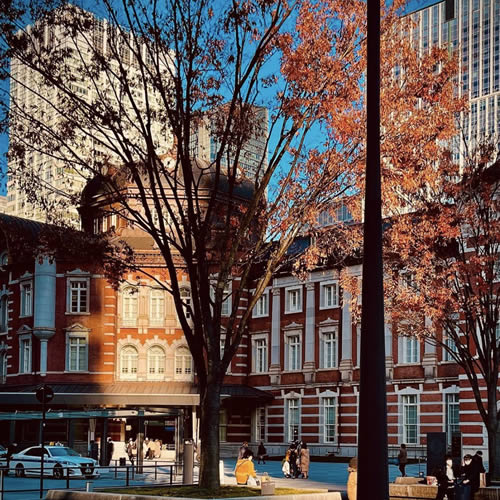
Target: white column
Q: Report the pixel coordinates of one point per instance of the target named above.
(43, 356)
(310, 334)
(346, 355)
(275, 367)
(429, 361)
(44, 306)
(389, 361)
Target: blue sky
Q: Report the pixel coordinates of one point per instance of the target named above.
(412, 6)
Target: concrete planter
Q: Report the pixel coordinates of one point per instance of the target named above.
(82, 495)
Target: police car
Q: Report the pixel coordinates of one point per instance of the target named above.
(58, 461)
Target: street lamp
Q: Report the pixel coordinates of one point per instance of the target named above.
(44, 394)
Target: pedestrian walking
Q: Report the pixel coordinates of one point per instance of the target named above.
(304, 461)
(403, 459)
(293, 458)
(352, 481)
(110, 448)
(131, 450)
(261, 453)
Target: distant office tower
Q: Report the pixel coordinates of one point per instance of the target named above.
(30, 96)
(252, 160)
(474, 33)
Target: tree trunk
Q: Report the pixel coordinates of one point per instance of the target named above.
(493, 438)
(209, 436)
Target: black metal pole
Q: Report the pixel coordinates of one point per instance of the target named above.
(42, 445)
(373, 480)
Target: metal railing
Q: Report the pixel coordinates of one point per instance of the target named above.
(117, 475)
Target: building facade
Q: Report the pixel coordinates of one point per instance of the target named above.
(474, 36)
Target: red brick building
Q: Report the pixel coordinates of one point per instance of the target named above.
(117, 360)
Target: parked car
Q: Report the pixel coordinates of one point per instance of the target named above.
(3, 457)
(58, 461)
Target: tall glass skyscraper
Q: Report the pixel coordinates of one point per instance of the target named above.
(474, 36)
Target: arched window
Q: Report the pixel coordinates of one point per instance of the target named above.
(128, 362)
(157, 309)
(186, 299)
(156, 362)
(130, 300)
(4, 313)
(183, 364)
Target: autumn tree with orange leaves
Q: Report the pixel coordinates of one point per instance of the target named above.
(450, 249)
(168, 67)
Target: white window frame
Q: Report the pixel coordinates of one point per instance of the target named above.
(448, 425)
(324, 400)
(358, 345)
(185, 294)
(182, 369)
(447, 357)
(129, 293)
(131, 373)
(82, 308)
(289, 354)
(292, 403)
(261, 308)
(223, 425)
(26, 299)
(297, 307)
(406, 404)
(226, 305)
(324, 285)
(259, 424)
(325, 338)
(260, 353)
(82, 350)
(156, 363)
(406, 343)
(4, 313)
(3, 367)
(157, 313)
(25, 364)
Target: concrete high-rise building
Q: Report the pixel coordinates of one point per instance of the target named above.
(252, 158)
(474, 35)
(60, 173)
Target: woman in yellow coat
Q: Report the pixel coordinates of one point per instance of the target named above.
(245, 468)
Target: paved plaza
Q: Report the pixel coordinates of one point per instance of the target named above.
(323, 475)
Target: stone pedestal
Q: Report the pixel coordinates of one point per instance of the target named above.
(275, 374)
(389, 368)
(429, 362)
(309, 372)
(345, 368)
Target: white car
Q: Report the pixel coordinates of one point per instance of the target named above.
(58, 461)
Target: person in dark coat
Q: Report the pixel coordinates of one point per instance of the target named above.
(403, 459)
(110, 448)
(446, 480)
(471, 472)
(294, 470)
(11, 450)
(261, 453)
(94, 450)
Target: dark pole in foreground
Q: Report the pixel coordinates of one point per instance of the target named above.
(373, 480)
(44, 394)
